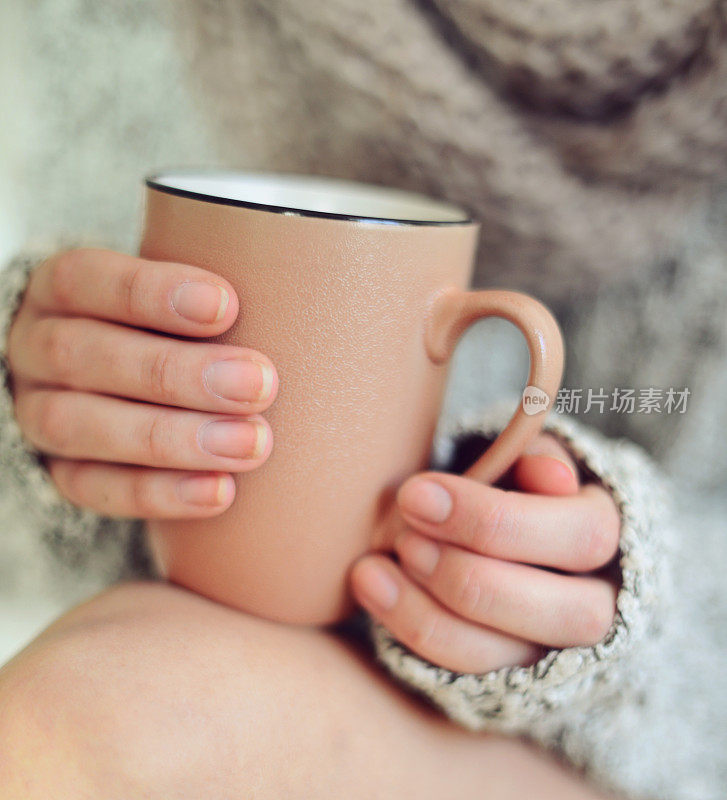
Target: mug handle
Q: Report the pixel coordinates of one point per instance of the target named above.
(452, 312)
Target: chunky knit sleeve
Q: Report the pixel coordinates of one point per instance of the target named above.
(550, 701)
(74, 536)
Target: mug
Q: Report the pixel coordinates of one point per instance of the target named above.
(358, 294)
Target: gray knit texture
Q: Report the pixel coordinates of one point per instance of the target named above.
(550, 700)
(589, 138)
(79, 540)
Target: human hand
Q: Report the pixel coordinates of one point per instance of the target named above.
(133, 421)
(488, 577)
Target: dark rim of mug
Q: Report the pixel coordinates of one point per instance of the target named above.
(155, 182)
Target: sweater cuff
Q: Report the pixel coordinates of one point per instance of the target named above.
(544, 701)
(73, 534)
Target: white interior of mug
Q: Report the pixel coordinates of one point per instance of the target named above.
(310, 195)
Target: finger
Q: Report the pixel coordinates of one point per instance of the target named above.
(547, 468)
(81, 426)
(123, 491)
(544, 475)
(425, 627)
(577, 533)
(95, 356)
(163, 296)
(547, 445)
(534, 604)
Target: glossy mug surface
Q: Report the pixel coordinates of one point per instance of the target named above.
(358, 294)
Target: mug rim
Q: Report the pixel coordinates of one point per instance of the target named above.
(156, 180)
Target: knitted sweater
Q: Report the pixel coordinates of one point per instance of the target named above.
(591, 146)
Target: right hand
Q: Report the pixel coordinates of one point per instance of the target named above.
(132, 421)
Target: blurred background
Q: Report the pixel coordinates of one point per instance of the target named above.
(589, 139)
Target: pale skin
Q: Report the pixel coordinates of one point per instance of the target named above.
(149, 691)
(135, 423)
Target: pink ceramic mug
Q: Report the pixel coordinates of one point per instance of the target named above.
(358, 295)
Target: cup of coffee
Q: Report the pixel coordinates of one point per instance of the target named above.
(358, 294)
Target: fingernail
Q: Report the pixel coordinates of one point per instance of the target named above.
(567, 466)
(425, 499)
(377, 588)
(200, 302)
(418, 554)
(548, 457)
(240, 380)
(233, 439)
(206, 490)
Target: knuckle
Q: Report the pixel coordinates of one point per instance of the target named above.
(470, 597)
(71, 480)
(158, 438)
(62, 270)
(17, 337)
(29, 406)
(52, 422)
(161, 374)
(21, 409)
(425, 635)
(602, 541)
(143, 497)
(59, 348)
(612, 528)
(131, 290)
(11, 352)
(595, 620)
(492, 523)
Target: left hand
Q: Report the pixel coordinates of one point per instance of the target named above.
(489, 577)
